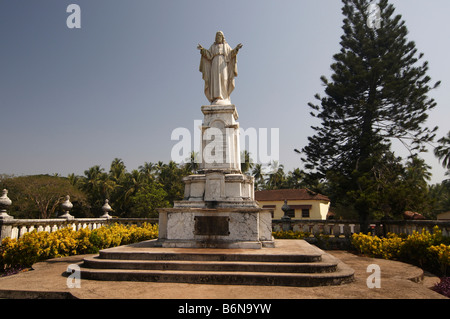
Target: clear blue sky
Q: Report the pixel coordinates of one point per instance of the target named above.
(74, 98)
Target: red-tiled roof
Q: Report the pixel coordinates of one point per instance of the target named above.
(289, 194)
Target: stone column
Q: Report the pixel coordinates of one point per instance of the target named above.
(220, 133)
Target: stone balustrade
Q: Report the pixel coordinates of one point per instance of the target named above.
(345, 228)
(16, 228)
(341, 228)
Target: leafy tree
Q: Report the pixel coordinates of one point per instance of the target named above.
(170, 176)
(148, 170)
(145, 201)
(443, 151)
(246, 162)
(440, 195)
(192, 163)
(40, 195)
(93, 184)
(377, 92)
(295, 179)
(276, 177)
(258, 174)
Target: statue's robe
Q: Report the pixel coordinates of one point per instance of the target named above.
(219, 68)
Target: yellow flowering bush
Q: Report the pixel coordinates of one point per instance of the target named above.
(387, 248)
(441, 254)
(415, 248)
(424, 249)
(36, 246)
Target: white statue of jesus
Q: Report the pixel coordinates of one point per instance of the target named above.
(219, 68)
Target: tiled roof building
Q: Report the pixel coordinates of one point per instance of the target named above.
(304, 203)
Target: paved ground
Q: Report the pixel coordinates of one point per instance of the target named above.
(398, 281)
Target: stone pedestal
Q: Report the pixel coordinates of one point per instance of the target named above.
(220, 139)
(219, 208)
(215, 228)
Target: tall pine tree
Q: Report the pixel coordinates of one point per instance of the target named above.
(377, 93)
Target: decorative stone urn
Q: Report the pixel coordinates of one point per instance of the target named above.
(66, 206)
(5, 202)
(106, 209)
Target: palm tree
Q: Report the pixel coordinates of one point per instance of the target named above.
(258, 174)
(276, 176)
(134, 182)
(159, 168)
(92, 184)
(117, 170)
(148, 170)
(192, 163)
(74, 180)
(246, 161)
(170, 176)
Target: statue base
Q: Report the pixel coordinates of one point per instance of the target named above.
(243, 227)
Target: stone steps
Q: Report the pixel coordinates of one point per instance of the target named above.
(222, 277)
(206, 256)
(290, 263)
(193, 265)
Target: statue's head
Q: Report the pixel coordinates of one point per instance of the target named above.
(220, 38)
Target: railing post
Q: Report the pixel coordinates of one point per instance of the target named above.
(285, 220)
(5, 202)
(5, 228)
(66, 207)
(106, 209)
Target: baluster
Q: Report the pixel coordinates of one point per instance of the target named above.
(332, 230)
(341, 230)
(14, 232)
(276, 227)
(23, 230)
(352, 228)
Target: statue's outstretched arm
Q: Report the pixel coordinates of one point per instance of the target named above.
(204, 52)
(235, 51)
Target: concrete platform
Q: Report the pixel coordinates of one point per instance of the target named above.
(398, 281)
(289, 263)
